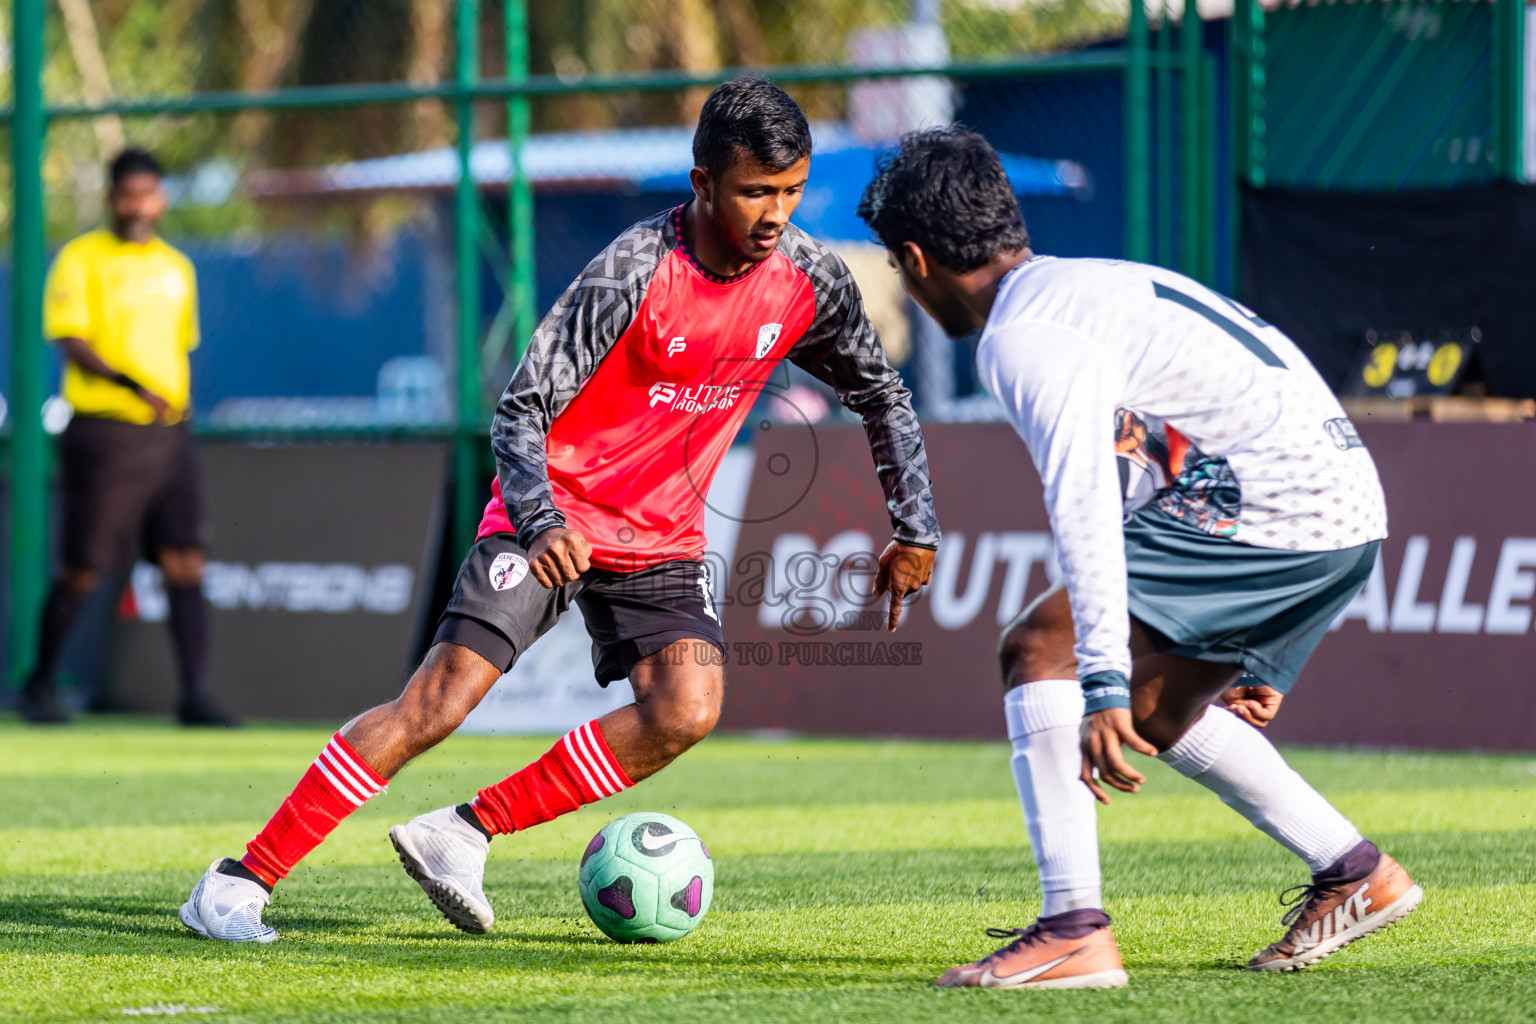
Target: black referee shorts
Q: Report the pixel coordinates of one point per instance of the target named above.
(128, 489)
(499, 609)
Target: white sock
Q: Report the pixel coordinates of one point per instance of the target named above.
(1232, 759)
(1043, 721)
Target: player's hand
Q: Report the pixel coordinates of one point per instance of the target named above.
(559, 556)
(904, 570)
(1256, 705)
(1103, 733)
(161, 407)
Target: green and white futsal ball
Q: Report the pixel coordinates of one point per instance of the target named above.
(646, 877)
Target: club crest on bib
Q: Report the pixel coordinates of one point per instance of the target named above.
(507, 570)
(767, 336)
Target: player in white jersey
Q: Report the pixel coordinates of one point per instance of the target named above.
(1214, 510)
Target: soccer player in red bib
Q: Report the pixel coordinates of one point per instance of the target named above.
(606, 441)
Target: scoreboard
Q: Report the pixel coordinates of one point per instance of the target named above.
(1402, 364)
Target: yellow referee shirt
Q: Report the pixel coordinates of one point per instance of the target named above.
(136, 305)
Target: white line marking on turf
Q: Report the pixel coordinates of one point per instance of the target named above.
(166, 1010)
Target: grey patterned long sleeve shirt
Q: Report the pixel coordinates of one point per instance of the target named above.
(622, 379)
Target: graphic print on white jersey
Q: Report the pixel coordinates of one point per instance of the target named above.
(1215, 416)
(1159, 466)
(227, 908)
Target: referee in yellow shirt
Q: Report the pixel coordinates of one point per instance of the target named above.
(122, 305)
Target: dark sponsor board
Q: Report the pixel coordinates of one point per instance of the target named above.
(1437, 651)
(321, 558)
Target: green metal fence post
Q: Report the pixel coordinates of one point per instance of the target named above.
(1508, 87)
(467, 440)
(520, 192)
(1248, 81)
(1165, 164)
(1210, 191)
(1138, 136)
(1191, 115)
(29, 445)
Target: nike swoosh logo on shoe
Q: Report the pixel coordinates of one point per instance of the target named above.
(1024, 977)
(651, 843)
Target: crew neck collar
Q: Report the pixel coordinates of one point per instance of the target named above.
(687, 253)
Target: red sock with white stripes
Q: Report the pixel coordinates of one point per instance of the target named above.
(579, 769)
(338, 783)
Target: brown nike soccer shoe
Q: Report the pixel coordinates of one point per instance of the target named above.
(1071, 950)
(1332, 912)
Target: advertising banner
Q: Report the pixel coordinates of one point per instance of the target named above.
(1436, 652)
(321, 559)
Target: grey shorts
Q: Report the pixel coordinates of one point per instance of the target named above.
(1214, 599)
(499, 609)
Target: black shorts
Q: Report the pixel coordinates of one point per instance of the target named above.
(128, 489)
(499, 609)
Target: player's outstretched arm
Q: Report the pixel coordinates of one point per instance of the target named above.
(1059, 392)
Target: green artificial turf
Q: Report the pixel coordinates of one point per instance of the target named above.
(848, 875)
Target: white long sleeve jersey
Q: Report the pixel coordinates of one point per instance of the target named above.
(1133, 385)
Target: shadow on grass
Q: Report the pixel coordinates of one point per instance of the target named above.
(107, 913)
(40, 924)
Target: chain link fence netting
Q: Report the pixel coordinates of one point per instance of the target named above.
(324, 237)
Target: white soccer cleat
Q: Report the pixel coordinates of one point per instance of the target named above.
(227, 907)
(446, 856)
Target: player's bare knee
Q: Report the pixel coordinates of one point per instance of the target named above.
(1032, 649)
(1038, 643)
(681, 720)
(1163, 723)
(693, 721)
(1158, 730)
(703, 716)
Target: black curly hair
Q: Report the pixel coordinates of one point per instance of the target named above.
(945, 189)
